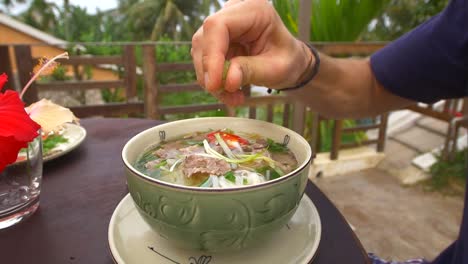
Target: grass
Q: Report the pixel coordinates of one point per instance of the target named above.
(449, 177)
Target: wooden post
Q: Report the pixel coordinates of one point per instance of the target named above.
(130, 72)
(336, 140)
(286, 110)
(305, 15)
(247, 89)
(151, 85)
(6, 67)
(270, 111)
(382, 132)
(316, 146)
(305, 12)
(25, 67)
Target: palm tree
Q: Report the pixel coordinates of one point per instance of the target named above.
(6, 4)
(41, 15)
(176, 19)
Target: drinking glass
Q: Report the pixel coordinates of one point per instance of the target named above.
(20, 185)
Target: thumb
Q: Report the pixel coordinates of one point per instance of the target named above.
(246, 70)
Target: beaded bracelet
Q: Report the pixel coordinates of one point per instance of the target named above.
(312, 74)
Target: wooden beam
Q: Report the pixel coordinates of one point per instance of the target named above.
(92, 60)
(266, 100)
(150, 86)
(25, 69)
(107, 110)
(6, 67)
(187, 109)
(180, 87)
(80, 85)
(181, 66)
(336, 140)
(130, 72)
(360, 128)
(382, 132)
(357, 144)
(305, 13)
(430, 112)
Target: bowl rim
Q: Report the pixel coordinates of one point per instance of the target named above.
(168, 185)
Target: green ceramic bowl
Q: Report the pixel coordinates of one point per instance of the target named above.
(216, 219)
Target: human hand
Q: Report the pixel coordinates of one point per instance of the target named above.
(261, 51)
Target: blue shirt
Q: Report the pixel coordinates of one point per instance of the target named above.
(428, 64)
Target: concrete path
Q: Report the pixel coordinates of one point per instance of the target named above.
(392, 216)
(391, 220)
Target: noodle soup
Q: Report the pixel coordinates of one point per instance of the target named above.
(217, 159)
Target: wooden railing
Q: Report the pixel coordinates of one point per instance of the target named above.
(274, 108)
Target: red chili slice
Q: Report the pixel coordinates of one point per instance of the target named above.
(230, 139)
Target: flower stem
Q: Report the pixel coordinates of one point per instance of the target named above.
(38, 73)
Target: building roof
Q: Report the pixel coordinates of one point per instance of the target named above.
(28, 30)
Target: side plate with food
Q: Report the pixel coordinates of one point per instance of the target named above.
(56, 145)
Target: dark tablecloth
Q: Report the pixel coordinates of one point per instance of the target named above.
(82, 188)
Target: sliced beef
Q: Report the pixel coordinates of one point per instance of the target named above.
(260, 143)
(192, 150)
(195, 164)
(167, 153)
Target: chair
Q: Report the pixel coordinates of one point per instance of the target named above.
(453, 112)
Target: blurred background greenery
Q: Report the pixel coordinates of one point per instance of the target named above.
(141, 20)
(177, 20)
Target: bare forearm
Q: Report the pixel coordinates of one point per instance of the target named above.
(347, 88)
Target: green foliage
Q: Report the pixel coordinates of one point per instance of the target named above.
(449, 176)
(401, 16)
(152, 19)
(41, 14)
(326, 132)
(181, 53)
(332, 20)
(58, 74)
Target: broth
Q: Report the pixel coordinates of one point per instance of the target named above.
(217, 159)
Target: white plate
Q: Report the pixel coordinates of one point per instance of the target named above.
(75, 135)
(131, 240)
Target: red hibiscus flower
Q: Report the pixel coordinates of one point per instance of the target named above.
(16, 127)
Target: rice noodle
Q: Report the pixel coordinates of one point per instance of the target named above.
(175, 164)
(215, 181)
(225, 183)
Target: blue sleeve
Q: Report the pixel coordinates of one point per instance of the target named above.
(431, 62)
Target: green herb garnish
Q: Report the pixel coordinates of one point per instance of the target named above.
(274, 173)
(147, 157)
(52, 141)
(230, 176)
(276, 147)
(226, 69)
(193, 142)
(161, 164)
(245, 181)
(226, 66)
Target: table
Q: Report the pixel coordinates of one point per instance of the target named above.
(82, 188)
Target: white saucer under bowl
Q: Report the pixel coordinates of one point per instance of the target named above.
(131, 241)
